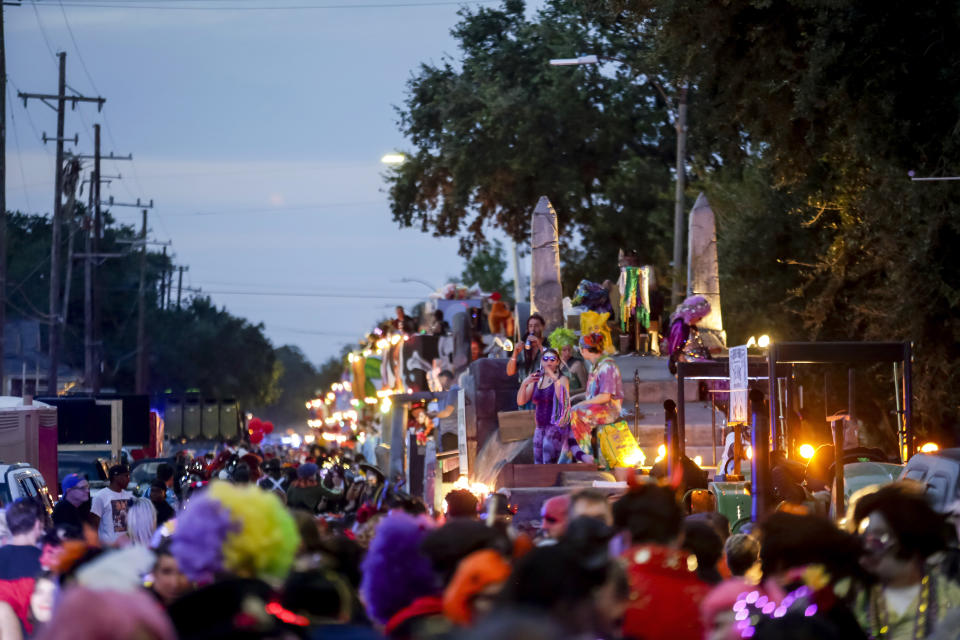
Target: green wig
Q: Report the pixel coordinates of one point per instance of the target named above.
(562, 337)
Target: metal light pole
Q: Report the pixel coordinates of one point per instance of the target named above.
(681, 126)
(678, 210)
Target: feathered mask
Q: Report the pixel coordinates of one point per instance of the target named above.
(592, 341)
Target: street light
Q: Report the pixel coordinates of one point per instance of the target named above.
(681, 126)
(418, 281)
(393, 158)
(571, 62)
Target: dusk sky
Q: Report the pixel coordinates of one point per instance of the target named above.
(257, 130)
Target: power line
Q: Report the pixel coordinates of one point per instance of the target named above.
(333, 334)
(42, 30)
(93, 84)
(131, 4)
(401, 3)
(312, 294)
(76, 48)
(256, 169)
(331, 205)
(16, 141)
(36, 133)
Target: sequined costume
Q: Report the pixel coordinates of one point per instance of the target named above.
(586, 417)
(553, 422)
(665, 594)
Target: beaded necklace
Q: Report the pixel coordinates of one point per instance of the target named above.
(926, 611)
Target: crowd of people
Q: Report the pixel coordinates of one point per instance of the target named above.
(283, 542)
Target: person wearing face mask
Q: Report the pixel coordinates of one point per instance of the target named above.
(902, 537)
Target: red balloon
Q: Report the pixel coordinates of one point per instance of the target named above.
(268, 427)
(255, 424)
(256, 437)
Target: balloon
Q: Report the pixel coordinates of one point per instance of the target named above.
(268, 427)
(256, 437)
(255, 425)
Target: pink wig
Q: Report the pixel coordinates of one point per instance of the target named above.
(87, 614)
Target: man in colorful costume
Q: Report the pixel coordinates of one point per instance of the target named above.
(602, 403)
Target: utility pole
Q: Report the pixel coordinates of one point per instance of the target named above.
(3, 198)
(54, 320)
(3, 190)
(678, 212)
(91, 229)
(93, 294)
(180, 284)
(141, 373)
(53, 333)
(169, 277)
(163, 281)
(71, 178)
(88, 353)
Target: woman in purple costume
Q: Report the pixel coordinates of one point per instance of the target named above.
(550, 393)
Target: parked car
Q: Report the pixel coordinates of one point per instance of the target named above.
(143, 473)
(91, 466)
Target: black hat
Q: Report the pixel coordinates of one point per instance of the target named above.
(232, 608)
(370, 469)
(118, 470)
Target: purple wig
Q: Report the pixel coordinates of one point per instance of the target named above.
(395, 571)
(198, 539)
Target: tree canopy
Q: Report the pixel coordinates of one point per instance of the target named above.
(498, 127)
(805, 119)
(195, 347)
(486, 268)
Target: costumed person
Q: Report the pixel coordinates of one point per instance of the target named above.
(684, 343)
(564, 341)
(902, 536)
(439, 326)
(500, 318)
(665, 592)
(549, 391)
(231, 540)
(234, 531)
(399, 587)
(420, 428)
(602, 404)
(475, 586)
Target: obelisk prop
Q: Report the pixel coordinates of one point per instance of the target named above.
(703, 268)
(546, 294)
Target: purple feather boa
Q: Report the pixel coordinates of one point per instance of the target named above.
(197, 542)
(395, 571)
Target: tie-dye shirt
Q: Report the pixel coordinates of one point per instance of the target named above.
(605, 378)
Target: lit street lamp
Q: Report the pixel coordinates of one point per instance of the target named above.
(393, 158)
(681, 126)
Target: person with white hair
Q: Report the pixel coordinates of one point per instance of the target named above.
(141, 521)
